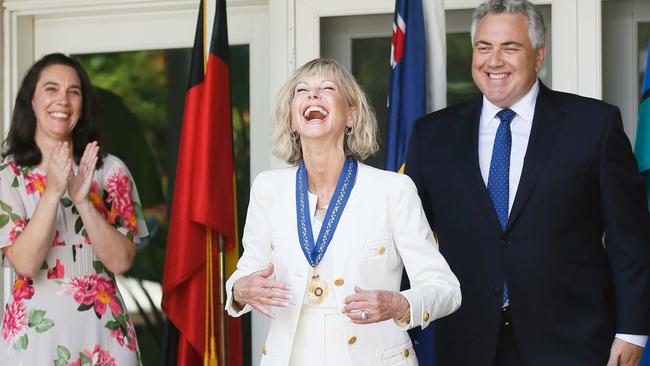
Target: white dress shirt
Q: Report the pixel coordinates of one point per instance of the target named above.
(520, 128)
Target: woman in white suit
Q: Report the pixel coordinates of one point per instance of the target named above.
(326, 240)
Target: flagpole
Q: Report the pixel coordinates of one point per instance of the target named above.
(209, 357)
(223, 349)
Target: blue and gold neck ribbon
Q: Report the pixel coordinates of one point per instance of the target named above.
(314, 251)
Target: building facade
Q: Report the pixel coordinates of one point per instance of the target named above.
(596, 49)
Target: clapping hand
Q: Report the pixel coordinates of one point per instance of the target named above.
(79, 184)
(58, 169)
(259, 291)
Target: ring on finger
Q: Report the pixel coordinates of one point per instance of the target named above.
(364, 316)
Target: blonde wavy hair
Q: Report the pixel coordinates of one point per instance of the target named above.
(360, 144)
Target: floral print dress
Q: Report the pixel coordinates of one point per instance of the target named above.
(71, 313)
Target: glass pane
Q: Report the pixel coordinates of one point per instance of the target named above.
(141, 96)
(371, 69)
(644, 38)
(460, 85)
(362, 45)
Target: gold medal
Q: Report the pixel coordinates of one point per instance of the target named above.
(317, 289)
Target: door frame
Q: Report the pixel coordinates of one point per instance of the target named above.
(621, 39)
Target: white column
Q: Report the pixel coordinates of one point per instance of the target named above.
(282, 63)
(577, 60)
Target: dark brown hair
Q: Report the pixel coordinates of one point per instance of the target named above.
(20, 142)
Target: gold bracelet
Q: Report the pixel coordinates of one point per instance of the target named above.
(406, 318)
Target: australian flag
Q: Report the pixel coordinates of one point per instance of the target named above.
(407, 99)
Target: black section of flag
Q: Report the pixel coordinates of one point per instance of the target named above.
(219, 44)
(645, 95)
(197, 72)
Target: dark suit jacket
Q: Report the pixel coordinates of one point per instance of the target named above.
(569, 292)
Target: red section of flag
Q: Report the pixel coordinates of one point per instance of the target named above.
(397, 43)
(203, 197)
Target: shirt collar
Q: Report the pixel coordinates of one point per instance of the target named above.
(525, 107)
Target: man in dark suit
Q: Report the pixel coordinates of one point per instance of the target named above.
(539, 210)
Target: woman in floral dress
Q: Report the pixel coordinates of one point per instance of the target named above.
(69, 220)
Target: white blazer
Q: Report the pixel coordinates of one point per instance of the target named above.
(383, 229)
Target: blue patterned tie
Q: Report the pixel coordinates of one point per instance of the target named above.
(499, 178)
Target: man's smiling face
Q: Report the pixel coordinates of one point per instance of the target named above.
(504, 62)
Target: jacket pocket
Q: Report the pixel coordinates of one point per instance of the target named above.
(378, 263)
(403, 354)
(378, 248)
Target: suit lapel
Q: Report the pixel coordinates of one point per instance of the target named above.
(467, 143)
(546, 125)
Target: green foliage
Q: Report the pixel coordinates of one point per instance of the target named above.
(460, 86)
(84, 307)
(21, 343)
(36, 319)
(5, 207)
(35, 316)
(139, 78)
(63, 352)
(4, 218)
(78, 225)
(98, 266)
(85, 360)
(371, 68)
(44, 325)
(112, 325)
(63, 355)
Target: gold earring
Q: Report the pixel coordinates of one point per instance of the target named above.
(293, 136)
